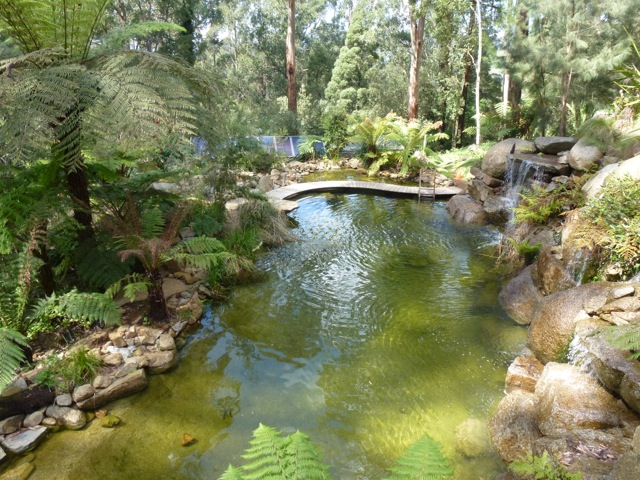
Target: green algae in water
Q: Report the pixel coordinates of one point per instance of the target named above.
(379, 326)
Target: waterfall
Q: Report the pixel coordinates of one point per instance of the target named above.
(578, 264)
(527, 173)
(579, 356)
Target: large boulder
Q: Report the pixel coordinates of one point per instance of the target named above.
(464, 209)
(132, 383)
(554, 145)
(11, 424)
(497, 209)
(520, 297)
(552, 274)
(494, 162)
(523, 373)
(629, 168)
(569, 400)
(472, 438)
(592, 452)
(612, 367)
(584, 157)
(70, 418)
(513, 426)
(160, 362)
(592, 188)
(479, 190)
(553, 323)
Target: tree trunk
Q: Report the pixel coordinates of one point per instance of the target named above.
(158, 311)
(566, 87)
(460, 124)
(78, 187)
(478, 68)
(291, 59)
(417, 43)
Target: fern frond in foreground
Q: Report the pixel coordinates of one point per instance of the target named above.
(272, 456)
(11, 354)
(422, 461)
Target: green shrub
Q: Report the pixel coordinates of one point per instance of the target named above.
(207, 219)
(77, 367)
(613, 226)
(525, 250)
(541, 468)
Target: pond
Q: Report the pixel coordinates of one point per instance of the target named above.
(380, 325)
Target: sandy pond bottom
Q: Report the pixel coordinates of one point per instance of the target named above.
(380, 325)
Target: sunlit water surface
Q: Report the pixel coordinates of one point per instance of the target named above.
(380, 325)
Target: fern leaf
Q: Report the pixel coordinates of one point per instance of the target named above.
(422, 461)
(266, 455)
(11, 355)
(152, 223)
(232, 473)
(89, 308)
(303, 459)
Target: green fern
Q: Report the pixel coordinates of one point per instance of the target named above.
(422, 461)
(11, 355)
(272, 457)
(625, 337)
(266, 455)
(75, 307)
(303, 459)
(542, 468)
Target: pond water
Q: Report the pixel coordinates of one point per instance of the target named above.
(380, 325)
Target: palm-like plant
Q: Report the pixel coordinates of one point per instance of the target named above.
(371, 133)
(150, 238)
(58, 101)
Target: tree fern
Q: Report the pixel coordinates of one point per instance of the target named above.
(422, 461)
(11, 354)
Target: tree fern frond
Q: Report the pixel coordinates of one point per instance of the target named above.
(116, 287)
(152, 223)
(100, 268)
(199, 245)
(11, 354)
(422, 461)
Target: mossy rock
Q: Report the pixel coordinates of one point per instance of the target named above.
(110, 421)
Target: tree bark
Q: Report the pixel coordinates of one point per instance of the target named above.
(566, 87)
(460, 124)
(417, 43)
(78, 187)
(292, 98)
(478, 68)
(158, 311)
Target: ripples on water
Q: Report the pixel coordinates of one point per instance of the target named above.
(379, 326)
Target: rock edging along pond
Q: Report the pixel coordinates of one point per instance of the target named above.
(128, 355)
(570, 394)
